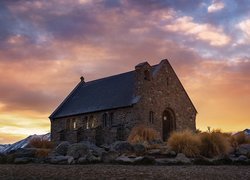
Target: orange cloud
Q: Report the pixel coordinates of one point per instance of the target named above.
(205, 32)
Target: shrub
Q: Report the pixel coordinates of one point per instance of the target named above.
(214, 144)
(241, 138)
(40, 143)
(185, 142)
(143, 134)
(41, 153)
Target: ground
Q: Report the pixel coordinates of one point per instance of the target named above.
(100, 171)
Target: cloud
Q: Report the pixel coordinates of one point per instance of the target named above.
(204, 32)
(244, 26)
(215, 6)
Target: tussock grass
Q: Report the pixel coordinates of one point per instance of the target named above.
(41, 143)
(143, 134)
(185, 142)
(214, 144)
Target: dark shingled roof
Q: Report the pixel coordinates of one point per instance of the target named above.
(102, 94)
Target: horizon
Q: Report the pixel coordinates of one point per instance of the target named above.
(46, 47)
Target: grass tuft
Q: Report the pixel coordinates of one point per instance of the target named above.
(185, 142)
(143, 134)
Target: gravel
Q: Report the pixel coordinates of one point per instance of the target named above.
(103, 171)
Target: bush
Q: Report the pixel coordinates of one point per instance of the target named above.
(41, 153)
(185, 142)
(214, 144)
(143, 134)
(40, 143)
(241, 138)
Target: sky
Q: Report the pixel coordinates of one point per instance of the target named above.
(45, 46)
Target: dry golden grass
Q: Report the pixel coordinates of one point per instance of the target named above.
(214, 144)
(41, 143)
(41, 153)
(185, 142)
(241, 138)
(143, 134)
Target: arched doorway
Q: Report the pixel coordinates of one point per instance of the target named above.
(168, 123)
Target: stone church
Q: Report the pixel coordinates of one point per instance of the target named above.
(106, 109)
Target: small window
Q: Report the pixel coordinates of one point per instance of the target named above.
(74, 124)
(87, 122)
(151, 117)
(92, 122)
(147, 75)
(111, 118)
(104, 120)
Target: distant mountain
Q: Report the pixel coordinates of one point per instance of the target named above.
(247, 132)
(22, 143)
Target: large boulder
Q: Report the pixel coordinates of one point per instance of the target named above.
(77, 150)
(62, 148)
(23, 160)
(179, 159)
(110, 156)
(92, 158)
(182, 158)
(122, 147)
(97, 151)
(25, 152)
(139, 149)
(61, 160)
(143, 160)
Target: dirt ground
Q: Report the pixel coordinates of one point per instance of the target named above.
(100, 171)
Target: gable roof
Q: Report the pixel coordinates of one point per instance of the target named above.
(102, 94)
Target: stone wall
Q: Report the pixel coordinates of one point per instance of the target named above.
(163, 91)
(123, 121)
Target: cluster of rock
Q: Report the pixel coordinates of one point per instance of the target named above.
(120, 152)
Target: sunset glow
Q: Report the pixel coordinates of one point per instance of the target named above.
(45, 46)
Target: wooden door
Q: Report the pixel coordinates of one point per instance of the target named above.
(168, 123)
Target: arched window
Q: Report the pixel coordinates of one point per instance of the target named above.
(147, 75)
(151, 117)
(104, 119)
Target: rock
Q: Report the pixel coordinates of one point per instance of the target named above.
(110, 156)
(23, 160)
(146, 160)
(93, 148)
(135, 160)
(243, 149)
(124, 160)
(154, 152)
(25, 152)
(182, 158)
(139, 149)
(77, 150)
(93, 159)
(122, 147)
(82, 160)
(242, 158)
(62, 148)
(61, 160)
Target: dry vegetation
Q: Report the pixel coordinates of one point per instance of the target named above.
(185, 142)
(143, 134)
(41, 143)
(44, 147)
(208, 144)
